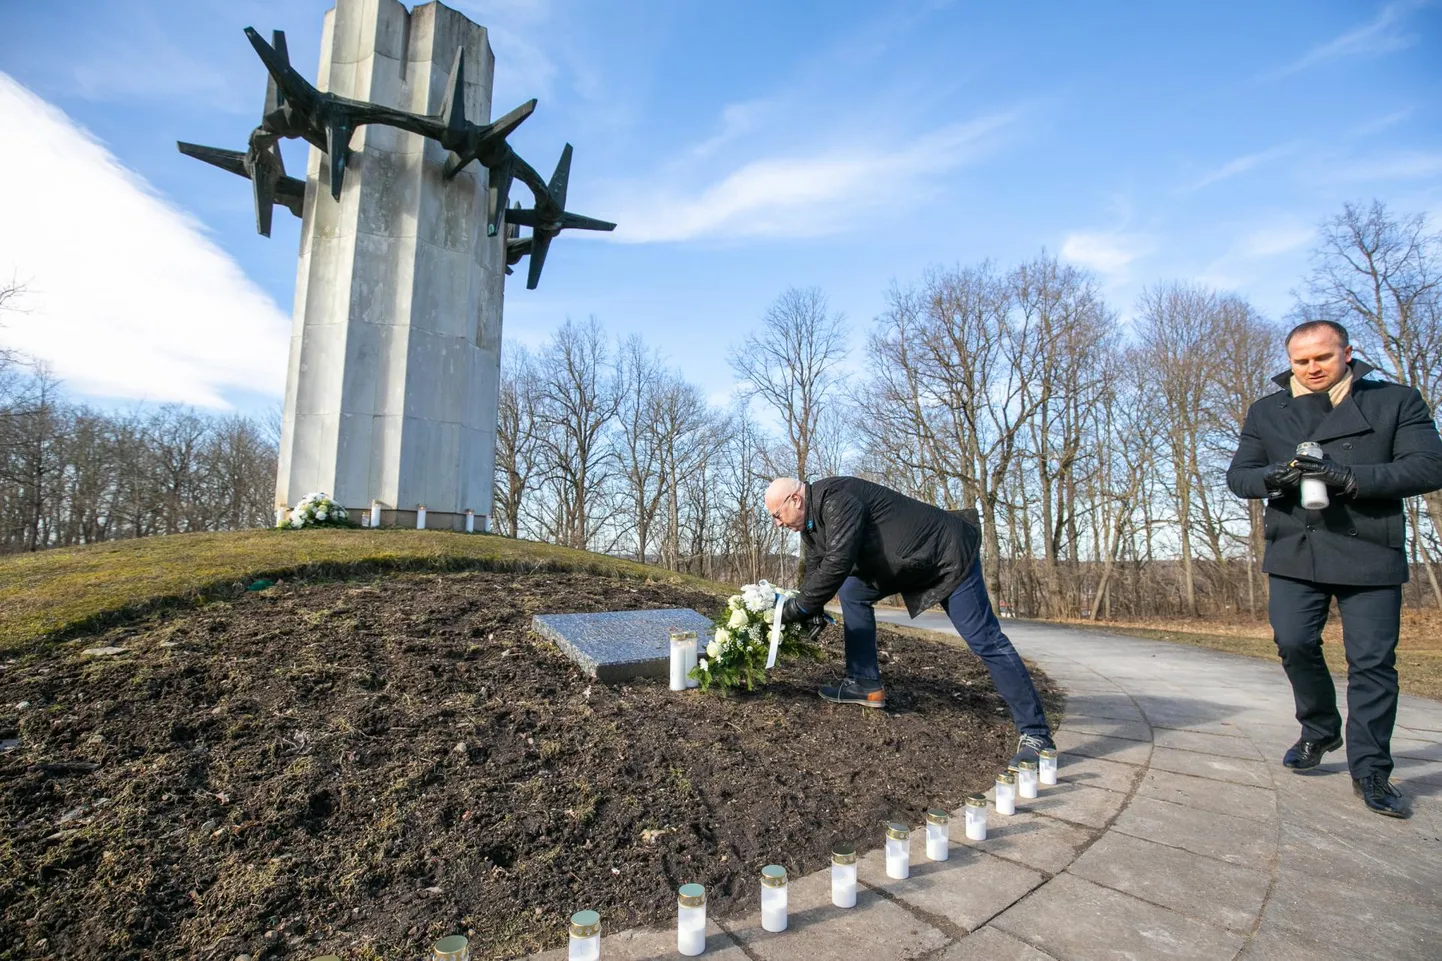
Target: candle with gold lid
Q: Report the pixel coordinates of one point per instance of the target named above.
(454, 948)
(938, 835)
(773, 897)
(898, 851)
(585, 937)
(691, 920)
(843, 876)
(1006, 793)
(976, 817)
(1047, 771)
(1026, 779)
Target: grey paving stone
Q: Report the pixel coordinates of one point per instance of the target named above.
(876, 929)
(615, 646)
(648, 944)
(1094, 772)
(1201, 888)
(1209, 795)
(1072, 918)
(1236, 770)
(1070, 801)
(1111, 705)
(1243, 841)
(1338, 914)
(967, 889)
(1391, 867)
(1224, 746)
(989, 944)
(1106, 748)
(1043, 843)
(1277, 944)
(1131, 730)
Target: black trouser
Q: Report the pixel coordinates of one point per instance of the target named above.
(1371, 618)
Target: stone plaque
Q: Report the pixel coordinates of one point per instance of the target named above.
(616, 646)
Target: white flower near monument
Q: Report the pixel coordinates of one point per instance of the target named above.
(315, 509)
(736, 656)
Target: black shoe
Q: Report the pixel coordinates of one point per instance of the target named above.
(1030, 746)
(1377, 792)
(852, 691)
(1308, 754)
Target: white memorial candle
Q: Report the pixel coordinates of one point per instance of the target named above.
(773, 897)
(693, 657)
(1048, 767)
(691, 920)
(1314, 489)
(585, 937)
(898, 851)
(375, 513)
(1026, 779)
(470, 522)
(938, 835)
(843, 876)
(682, 650)
(280, 513)
(421, 517)
(1006, 793)
(454, 948)
(976, 817)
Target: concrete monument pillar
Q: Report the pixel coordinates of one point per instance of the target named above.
(391, 389)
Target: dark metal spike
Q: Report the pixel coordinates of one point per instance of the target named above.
(540, 244)
(453, 107)
(499, 194)
(337, 137)
(231, 160)
(570, 221)
(561, 179)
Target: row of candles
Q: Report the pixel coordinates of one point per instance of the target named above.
(1020, 781)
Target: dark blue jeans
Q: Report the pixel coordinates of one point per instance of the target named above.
(971, 615)
(1371, 620)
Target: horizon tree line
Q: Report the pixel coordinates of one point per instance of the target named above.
(1094, 451)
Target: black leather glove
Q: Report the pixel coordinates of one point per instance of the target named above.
(791, 612)
(1329, 472)
(1282, 477)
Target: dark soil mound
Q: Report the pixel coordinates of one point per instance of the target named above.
(361, 768)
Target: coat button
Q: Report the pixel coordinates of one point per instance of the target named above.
(1347, 445)
(1310, 527)
(1352, 531)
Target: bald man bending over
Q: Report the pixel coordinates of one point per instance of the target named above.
(863, 542)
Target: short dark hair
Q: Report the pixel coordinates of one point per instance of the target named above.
(1311, 325)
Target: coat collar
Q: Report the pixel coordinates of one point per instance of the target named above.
(1360, 369)
(1341, 421)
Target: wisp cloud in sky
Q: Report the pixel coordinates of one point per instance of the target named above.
(127, 297)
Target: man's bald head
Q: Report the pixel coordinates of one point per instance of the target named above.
(786, 502)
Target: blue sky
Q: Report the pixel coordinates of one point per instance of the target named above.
(742, 147)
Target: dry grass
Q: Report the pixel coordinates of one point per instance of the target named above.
(1419, 651)
(56, 594)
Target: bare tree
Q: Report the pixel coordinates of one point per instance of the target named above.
(518, 439)
(640, 451)
(792, 363)
(1381, 277)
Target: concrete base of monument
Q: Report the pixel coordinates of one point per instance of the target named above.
(435, 520)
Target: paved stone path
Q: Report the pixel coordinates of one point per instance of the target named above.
(1174, 833)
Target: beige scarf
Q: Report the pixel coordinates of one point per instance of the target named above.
(1338, 391)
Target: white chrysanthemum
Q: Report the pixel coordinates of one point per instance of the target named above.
(297, 522)
(321, 515)
(736, 602)
(701, 663)
(713, 649)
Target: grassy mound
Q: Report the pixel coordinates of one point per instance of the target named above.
(55, 594)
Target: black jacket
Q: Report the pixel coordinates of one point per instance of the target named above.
(1385, 433)
(899, 545)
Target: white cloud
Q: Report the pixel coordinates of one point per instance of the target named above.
(1395, 165)
(1241, 165)
(1105, 252)
(128, 297)
(1381, 35)
(1273, 240)
(823, 192)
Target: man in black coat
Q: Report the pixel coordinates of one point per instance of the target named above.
(1379, 445)
(863, 542)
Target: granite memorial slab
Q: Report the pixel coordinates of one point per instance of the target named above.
(616, 646)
